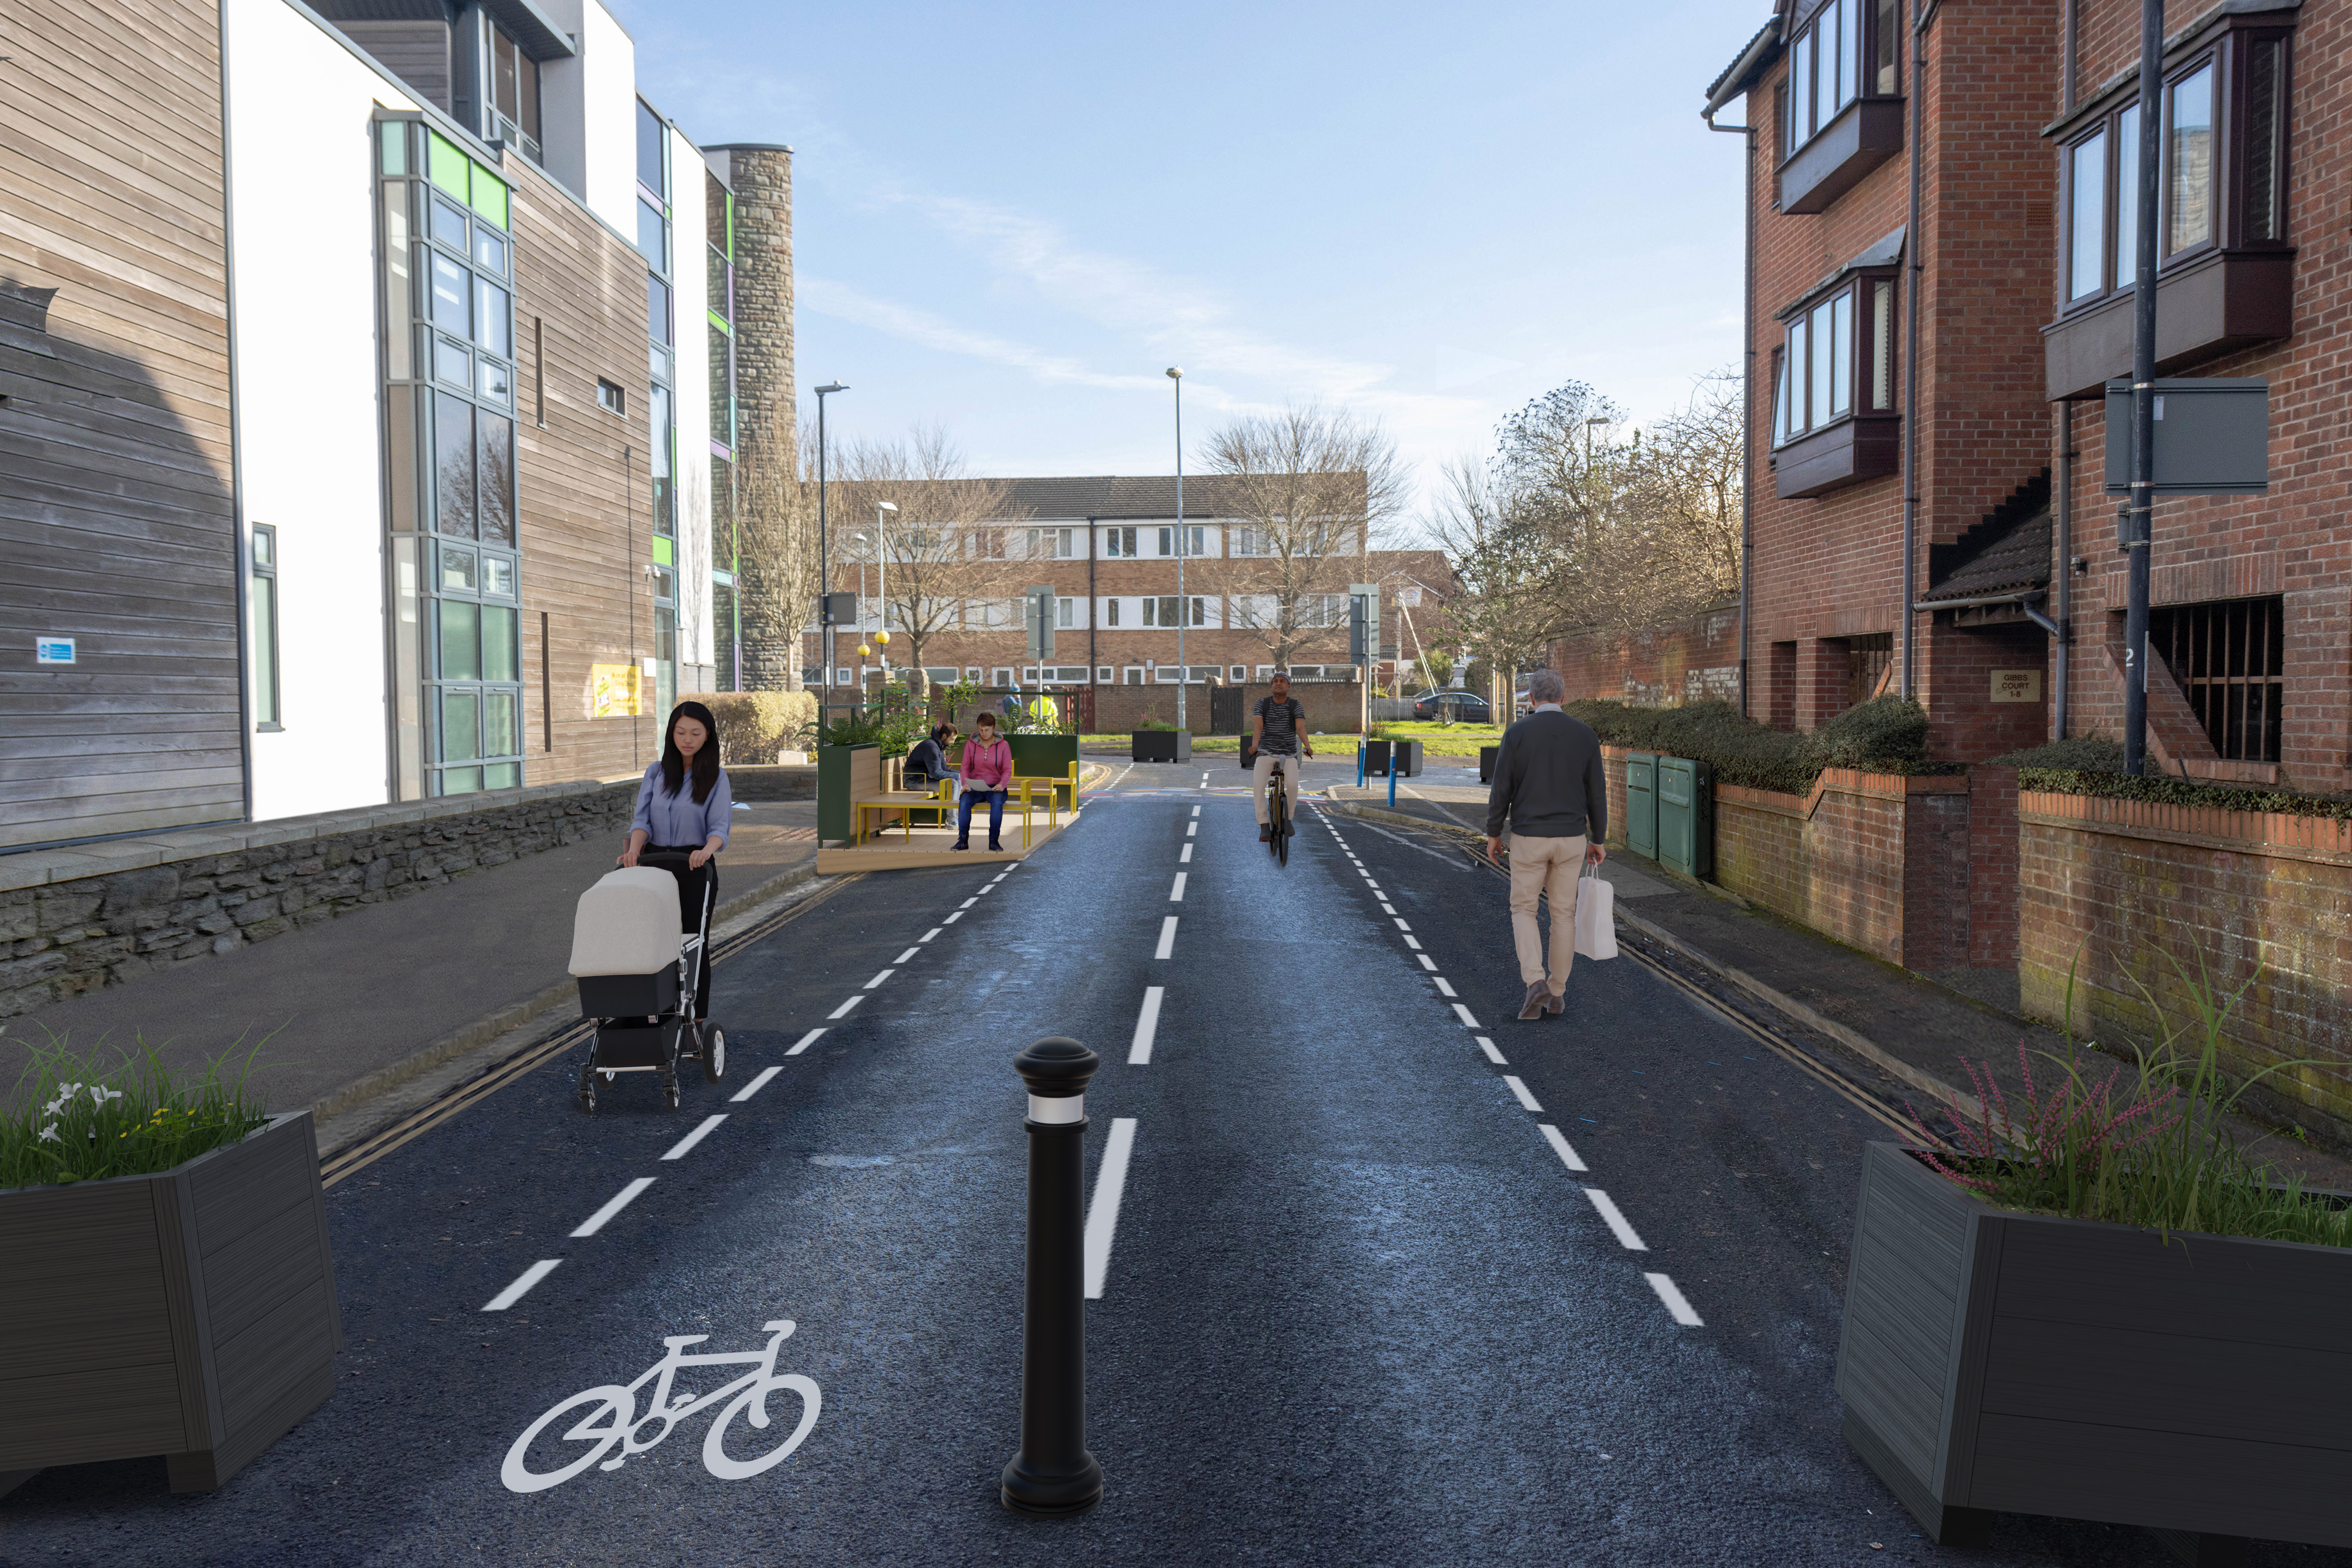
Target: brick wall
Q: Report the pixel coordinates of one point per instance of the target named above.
(2115, 888)
(77, 920)
(1333, 707)
(1683, 661)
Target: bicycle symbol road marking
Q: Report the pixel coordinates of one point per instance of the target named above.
(611, 1416)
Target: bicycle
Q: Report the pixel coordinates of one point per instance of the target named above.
(751, 1392)
(1278, 816)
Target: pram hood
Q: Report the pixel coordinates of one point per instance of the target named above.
(627, 923)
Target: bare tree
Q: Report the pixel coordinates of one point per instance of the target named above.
(1685, 491)
(1502, 550)
(1309, 492)
(943, 550)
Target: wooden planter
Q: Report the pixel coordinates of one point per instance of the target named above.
(1996, 1362)
(189, 1314)
(1162, 745)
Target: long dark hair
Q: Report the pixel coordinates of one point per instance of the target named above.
(706, 762)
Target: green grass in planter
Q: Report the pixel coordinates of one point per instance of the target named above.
(2148, 1144)
(88, 1116)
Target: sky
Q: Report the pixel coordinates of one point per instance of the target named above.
(1009, 220)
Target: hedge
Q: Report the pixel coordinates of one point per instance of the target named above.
(2093, 765)
(754, 725)
(1885, 735)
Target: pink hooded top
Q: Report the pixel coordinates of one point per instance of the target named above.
(988, 766)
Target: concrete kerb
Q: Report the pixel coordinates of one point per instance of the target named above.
(1787, 1006)
(465, 1053)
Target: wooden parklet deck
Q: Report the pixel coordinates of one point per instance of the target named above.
(928, 846)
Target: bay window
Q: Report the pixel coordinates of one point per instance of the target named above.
(1840, 108)
(1834, 386)
(2222, 145)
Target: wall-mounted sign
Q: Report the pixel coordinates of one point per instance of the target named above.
(1408, 597)
(53, 649)
(612, 691)
(2016, 686)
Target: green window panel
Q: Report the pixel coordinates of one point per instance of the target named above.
(447, 167)
(500, 653)
(460, 780)
(504, 776)
(665, 552)
(501, 732)
(490, 195)
(461, 641)
(461, 722)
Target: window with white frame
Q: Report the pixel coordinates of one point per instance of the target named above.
(1118, 543)
(1167, 611)
(1053, 544)
(1195, 540)
(1065, 613)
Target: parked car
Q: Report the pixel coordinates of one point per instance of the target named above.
(1460, 706)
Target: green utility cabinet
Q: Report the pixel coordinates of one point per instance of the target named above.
(1641, 803)
(1686, 816)
(843, 773)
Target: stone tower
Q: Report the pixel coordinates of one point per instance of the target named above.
(775, 605)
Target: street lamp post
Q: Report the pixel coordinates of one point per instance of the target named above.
(824, 558)
(1183, 605)
(882, 587)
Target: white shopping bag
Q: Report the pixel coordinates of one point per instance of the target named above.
(1596, 916)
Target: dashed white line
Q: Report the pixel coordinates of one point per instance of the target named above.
(804, 1042)
(1196, 810)
(1191, 829)
(845, 1009)
(531, 1276)
(626, 1196)
(1386, 907)
(1625, 1234)
(1672, 1298)
(1167, 948)
(1176, 893)
(1519, 1088)
(1186, 858)
(1492, 1054)
(1464, 1014)
(880, 979)
(968, 903)
(762, 1081)
(1427, 962)
(1147, 1025)
(1568, 1157)
(928, 935)
(1401, 925)
(1443, 989)
(1102, 1214)
(1413, 943)
(910, 953)
(956, 917)
(679, 1150)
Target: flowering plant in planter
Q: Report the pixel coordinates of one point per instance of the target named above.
(86, 1119)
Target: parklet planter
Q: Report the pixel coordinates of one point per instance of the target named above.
(1998, 1362)
(1162, 745)
(189, 1314)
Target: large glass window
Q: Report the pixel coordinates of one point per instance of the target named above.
(2087, 267)
(261, 602)
(1838, 347)
(514, 93)
(458, 670)
(2188, 159)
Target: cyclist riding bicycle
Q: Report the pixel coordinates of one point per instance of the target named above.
(1280, 731)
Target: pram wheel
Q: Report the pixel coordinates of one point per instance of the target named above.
(714, 1055)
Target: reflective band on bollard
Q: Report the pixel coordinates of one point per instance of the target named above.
(1053, 1474)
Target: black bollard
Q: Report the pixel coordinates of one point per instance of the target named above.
(1052, 1475)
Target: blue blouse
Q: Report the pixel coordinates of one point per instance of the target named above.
(678, 820)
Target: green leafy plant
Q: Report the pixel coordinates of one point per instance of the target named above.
(86, 1118)
(2148, 1144)
(1885, 735)
(1154, 722)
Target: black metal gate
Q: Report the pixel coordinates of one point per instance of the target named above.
(1226, 707)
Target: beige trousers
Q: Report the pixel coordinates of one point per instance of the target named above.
(1551, 867)
(1263, 769)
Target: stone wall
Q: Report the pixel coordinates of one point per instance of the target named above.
(78, 919)
(766, 403)
(2119, 892)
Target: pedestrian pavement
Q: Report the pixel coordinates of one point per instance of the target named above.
(1923, 1033)
(329, 1013)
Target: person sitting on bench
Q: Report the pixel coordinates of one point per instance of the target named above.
(927, 764)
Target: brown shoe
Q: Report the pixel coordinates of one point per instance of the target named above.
(1538, 994)
(1554, 1005)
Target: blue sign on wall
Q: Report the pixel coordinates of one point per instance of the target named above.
(53, 649)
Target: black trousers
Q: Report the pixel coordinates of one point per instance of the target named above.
(690, 885)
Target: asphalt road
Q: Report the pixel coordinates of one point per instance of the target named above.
(1357, 1307)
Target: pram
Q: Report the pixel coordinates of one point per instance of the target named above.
(637, 974)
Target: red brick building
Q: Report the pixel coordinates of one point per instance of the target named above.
(1933, 223)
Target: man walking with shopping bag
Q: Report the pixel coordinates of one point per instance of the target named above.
(1548, 785)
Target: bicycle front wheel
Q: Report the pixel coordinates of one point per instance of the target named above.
(754, 1399)
(613, 1405)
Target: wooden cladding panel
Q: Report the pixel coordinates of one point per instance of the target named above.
(116, 527)
(585, 492)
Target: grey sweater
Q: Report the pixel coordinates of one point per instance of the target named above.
(1548, 780)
